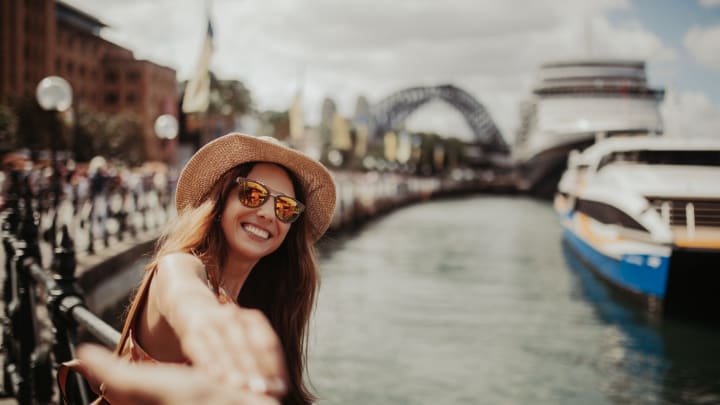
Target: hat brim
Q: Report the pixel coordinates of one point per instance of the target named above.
(215, 158)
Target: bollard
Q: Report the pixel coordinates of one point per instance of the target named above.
(27, 362)
(64, 296)
(91, 224)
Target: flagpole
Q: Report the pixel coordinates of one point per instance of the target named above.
(196, 99)
(207, 135)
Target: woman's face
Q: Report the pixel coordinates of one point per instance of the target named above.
(253, 233)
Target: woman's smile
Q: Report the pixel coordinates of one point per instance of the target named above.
(256, 231)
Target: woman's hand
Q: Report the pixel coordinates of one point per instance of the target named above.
(161, 383)
(238, 346)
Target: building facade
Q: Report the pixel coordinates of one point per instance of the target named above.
(39, 38)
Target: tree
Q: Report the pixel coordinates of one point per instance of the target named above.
(229, 97)
(89, 126)
(8, 129)
(124, 139)
(38, 129)
(118, 136)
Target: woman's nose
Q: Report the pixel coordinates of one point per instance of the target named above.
(267, 210)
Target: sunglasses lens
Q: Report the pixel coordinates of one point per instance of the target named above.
(252, 194)
(287, 209)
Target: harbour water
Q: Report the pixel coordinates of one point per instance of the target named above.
(476, 301)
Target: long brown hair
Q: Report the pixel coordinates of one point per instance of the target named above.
(283, 284)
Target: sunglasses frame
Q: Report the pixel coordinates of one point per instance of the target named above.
(300, 205)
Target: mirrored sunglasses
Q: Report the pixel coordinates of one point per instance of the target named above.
(253, 194)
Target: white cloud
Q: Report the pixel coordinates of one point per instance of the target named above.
(690, 114)
(710, 3)
(628, 41)
(704, 45)
(344, 49)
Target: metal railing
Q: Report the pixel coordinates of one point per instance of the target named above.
(29, 358)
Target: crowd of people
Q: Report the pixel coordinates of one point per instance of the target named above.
(97, 194)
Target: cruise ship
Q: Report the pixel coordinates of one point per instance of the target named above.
(644, 212)
(574, 103)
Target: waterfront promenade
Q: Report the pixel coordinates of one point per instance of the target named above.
(362, 196)
(469, 300)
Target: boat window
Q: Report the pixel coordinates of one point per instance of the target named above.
(664, 157)
(607, 214)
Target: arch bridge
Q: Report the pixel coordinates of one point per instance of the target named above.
(392, 112)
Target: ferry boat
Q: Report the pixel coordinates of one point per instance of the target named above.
(573, 102)
(644, 213)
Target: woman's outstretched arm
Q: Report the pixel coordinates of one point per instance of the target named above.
(161, 384)
(183, 319)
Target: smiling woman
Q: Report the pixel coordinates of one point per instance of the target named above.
(231, 260)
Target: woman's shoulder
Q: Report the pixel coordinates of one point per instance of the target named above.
(182, 259)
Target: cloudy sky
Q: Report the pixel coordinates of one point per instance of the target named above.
(347, 48)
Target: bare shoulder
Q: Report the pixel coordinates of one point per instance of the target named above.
(180, 261)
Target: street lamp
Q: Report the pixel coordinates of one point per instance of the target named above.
(54, 93)
(166, 126)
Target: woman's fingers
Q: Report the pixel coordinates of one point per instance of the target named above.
(160, 384)
(128, 385)
(269, 361)
(240, 347)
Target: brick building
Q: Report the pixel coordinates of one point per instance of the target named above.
(39, 38)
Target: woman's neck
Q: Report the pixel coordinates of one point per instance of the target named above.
(234, 273)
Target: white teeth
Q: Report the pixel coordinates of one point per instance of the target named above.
(256, 231)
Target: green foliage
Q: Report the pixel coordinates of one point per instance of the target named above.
(38, 129)
(118, 136)
(229, 97)
(8, 128)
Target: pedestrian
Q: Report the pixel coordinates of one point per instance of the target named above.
(249, 212)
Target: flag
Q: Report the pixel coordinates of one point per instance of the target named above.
(340, 135)
(197, 91)
(297, 121)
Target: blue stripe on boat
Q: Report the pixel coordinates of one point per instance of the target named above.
(632, 271)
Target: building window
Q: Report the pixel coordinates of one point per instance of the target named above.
(111, 98)
(111, 77)
(130, 98)
(133, 77)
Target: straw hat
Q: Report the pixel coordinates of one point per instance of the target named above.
(209, 163)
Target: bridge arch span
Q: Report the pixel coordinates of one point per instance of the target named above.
(391, 112)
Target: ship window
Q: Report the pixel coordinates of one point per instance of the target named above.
(665, 157)
(684, 157)
(607, 214)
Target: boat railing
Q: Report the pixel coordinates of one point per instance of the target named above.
(686, 213)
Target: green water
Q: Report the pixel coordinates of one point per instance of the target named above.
(475, 301)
